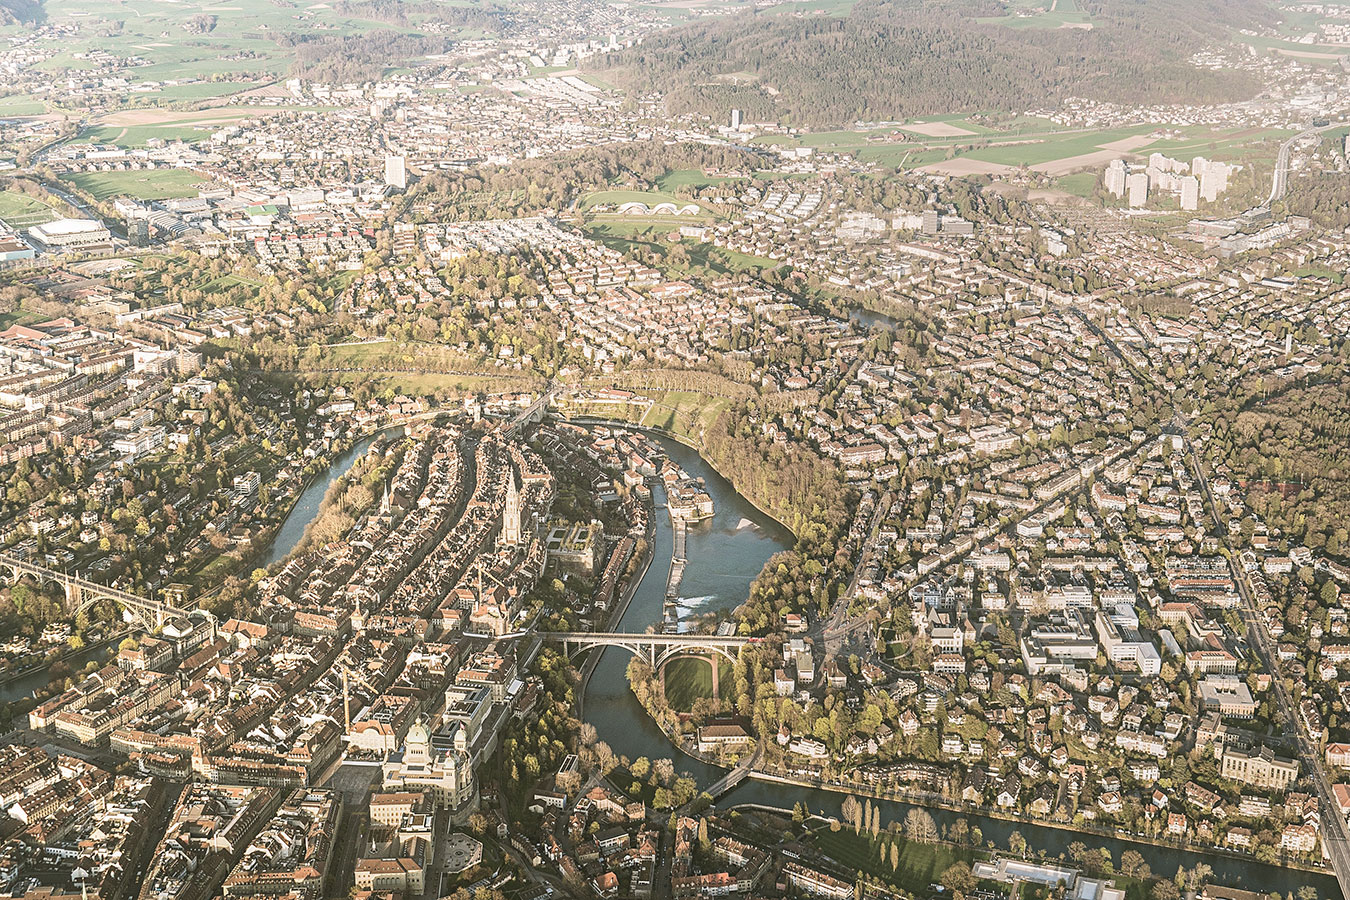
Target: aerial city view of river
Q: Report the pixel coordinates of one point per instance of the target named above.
(725, 554)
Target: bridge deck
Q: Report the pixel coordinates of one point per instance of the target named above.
(89, 588)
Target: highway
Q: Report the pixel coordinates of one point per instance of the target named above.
(1335, 839)
(1279, 179)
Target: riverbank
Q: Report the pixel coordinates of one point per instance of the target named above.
(631, 731)
(76, 659)
(930, 801)
(684, 441)
(620, 610)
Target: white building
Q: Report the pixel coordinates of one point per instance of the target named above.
(1190, 192)
(1115, 177)
(396, 172)
(1136, 187)
(71, 234)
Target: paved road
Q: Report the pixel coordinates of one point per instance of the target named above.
(1279, 179)
(1335, 838)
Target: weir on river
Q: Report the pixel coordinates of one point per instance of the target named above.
(678, 560)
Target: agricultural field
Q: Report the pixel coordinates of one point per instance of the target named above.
(141, 135)
(1041, 14)
(149, 184)
(21, 105)
(199, 51)
(1080, 184)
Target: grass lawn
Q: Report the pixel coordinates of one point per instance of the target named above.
(625, 235)
(1053, 147)
(684, 412)
(176, 93)
(426, 384)
(618, 198)
(920, 864)
(1053, 14)
(1080, 184)
(17, 317)
(140, 135)
(224, 283)
(151, 184)
(815, 7)
(21, 211)
(689, 678)
(623, 779)
(21, 105)
(681, 178)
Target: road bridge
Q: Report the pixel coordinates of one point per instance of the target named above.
(82, 593)
(656, 649)
(532, 413)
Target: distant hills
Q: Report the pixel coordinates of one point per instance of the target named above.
(18, 12)
(892, 59)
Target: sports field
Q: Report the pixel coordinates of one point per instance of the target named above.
(20, 211)
(689, 679)
(618, 198)
(150, 184)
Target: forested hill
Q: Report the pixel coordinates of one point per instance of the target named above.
(890, 59)
(13, 12)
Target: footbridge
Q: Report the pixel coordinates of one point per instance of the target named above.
(738, 774)
(656, 649)
(82, 593)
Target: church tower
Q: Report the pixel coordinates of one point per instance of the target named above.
(511, 513)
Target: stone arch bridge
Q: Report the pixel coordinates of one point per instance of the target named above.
(82, 593)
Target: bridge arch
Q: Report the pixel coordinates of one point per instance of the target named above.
(82, 594)
(655, 649)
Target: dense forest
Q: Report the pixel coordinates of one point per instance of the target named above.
(1292, 449)
(16, 12)
(356, 58)
(1323, 197)
(890, 59)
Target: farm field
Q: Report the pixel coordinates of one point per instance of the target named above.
(218, 47)
(21, 105)
(1041, 14)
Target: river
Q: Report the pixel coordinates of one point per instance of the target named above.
(311, 498)
(287, 537)
(725, 554)
(25, 685)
